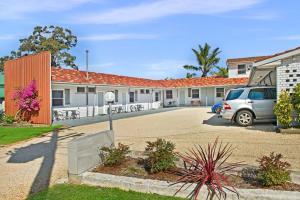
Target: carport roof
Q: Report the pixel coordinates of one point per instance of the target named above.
(61, 75)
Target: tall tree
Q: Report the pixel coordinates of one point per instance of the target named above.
(207, 60)
(55, 39)
(222, 72)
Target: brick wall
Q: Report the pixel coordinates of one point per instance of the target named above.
(288, 74)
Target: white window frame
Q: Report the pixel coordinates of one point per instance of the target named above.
(193, 93)
(223, 93)
(239, 71)
(80, 87)
(63, 102)
(167, 97)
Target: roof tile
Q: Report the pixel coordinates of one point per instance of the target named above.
(75, 76)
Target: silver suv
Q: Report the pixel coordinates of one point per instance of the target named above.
(243, 105)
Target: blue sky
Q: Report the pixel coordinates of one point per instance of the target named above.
(153, 38)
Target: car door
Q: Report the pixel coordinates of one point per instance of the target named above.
(270, 97)
(261, 102)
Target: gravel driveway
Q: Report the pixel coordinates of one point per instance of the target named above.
(35, 164)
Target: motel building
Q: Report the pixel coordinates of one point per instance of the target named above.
(72, 94)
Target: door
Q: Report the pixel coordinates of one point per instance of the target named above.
(207, 96)
(100, 99)
(262, 101)
(123, 98)
(182, 97)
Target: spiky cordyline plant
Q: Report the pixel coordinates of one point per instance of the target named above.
(207, 167)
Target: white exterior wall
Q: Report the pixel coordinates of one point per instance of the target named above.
(233, 70)
(288, 74)
(78, 100)
(187, 100)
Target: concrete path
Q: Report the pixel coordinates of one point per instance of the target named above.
(35, 164)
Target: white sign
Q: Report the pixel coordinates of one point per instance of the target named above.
(109, 97)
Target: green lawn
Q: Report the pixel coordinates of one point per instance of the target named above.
(82, 192)
(9, 135)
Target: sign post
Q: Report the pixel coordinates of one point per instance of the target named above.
(109, 98)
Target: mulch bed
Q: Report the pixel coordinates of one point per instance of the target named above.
(133, 167)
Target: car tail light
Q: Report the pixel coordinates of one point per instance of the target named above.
(226, 106)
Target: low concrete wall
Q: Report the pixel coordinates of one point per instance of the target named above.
(165, 188)
(83, 152)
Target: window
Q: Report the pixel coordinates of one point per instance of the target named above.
(157, 96)
(57, 97)
(116, 95)
(92, 90)
(195, 93)
(169, 94)
(142, 91)
(131, 97)
(147, 91)
(234, 94)
(189, 92)
(262, 93)
(256, 94)
(270, 93)
(242, 69)
(136, 95)
(80, 89)
(67, 97)
(220, 92)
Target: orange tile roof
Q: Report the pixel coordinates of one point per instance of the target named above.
(75, 76)
(247, 59)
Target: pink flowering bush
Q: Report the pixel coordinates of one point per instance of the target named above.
(27, 101)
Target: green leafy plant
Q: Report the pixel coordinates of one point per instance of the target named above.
(296, 100)
(283, 109)
(160, 156)
(8, 120)
(273, 171)
(115, 155)
(207, 166)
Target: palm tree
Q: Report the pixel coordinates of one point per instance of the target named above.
(206, 58)
(222, 72)
(190, 75)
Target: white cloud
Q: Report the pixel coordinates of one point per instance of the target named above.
(263, 16)
(7, 37)
(126, 36)
(288, 37)
(14, 9)
(163, 8)
(164, 69)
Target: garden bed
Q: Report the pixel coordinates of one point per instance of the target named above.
(134, 167)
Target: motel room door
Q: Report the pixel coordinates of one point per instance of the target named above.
(100, 102)
(207, 96)
(182, 97)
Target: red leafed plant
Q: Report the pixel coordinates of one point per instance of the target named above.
(207, 167)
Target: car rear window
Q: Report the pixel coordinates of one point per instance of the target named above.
(234, 94)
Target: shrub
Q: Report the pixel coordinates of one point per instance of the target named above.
(115, 155)
(27, 101)
(273, 171)
(207, 167)
(296, 100)
(6, 119)
(283, 109)
(161, 156)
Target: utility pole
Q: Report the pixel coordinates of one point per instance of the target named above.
(87, 80)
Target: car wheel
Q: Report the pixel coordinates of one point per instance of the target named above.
(244, 118)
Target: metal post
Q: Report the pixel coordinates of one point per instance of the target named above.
(110, 117)
(87, 79)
